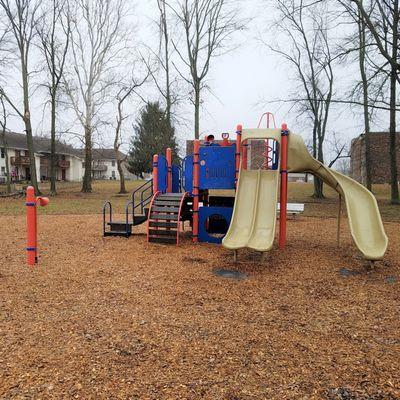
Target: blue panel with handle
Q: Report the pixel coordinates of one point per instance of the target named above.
(217, 167)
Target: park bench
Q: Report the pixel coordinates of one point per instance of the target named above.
(293, 208)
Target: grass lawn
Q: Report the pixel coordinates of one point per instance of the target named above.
(70, 200)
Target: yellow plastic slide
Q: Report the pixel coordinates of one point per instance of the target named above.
(254, 214)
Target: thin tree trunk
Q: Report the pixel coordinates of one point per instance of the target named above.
(318, 183)
(122, 188)
(28, 127)
(364, 80)
(53, 158)
(392, 129)
(87, 177)
(392, 139)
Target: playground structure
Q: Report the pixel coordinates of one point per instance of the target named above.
(229, 193)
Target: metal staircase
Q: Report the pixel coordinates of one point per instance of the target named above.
(136, 212)
(166, 212)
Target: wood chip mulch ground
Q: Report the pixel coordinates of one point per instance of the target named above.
(119, 318)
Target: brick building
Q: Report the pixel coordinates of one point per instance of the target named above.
(380, 158)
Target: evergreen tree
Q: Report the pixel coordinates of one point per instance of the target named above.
(153, 134)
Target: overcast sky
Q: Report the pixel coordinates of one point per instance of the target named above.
(241, 82)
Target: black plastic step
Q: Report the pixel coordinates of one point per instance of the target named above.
(162, 232)
(166, 209)
(117, 233)
(165, 202)
(161, 224)
(119, 225)
(162, 239)
(139, 219)
(164, 217)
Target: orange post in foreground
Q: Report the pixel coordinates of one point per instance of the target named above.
(168, 156)
(31, 220)
(195, 191)
(284, 180)
(155, 173)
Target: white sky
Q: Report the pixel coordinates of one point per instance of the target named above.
(241, 82)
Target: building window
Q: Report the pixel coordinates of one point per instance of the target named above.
(113, 163)
(2, 152)
(83, 165)
(3, 171)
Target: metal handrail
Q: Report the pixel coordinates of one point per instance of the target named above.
(107, 203)
(127, 214)
(143, 201)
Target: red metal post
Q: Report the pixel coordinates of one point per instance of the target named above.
(31, 222)
(155, 173)
(195, 191)
(31, 226)
(168, 156)
(284, 181)
(237, 154)
(244, 154)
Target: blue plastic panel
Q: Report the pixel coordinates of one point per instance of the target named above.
(176, 179)
(217, 167)
(162, 173)
(187, 165)
(206, 212)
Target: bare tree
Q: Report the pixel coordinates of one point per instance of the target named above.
(122, 96)
(22, 18)
(381, 18)
(54, 32)
(98, 40)
(304, 26)
(207, 26)
(3, 125)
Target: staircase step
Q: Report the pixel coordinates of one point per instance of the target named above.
(162, 232)
(117, 233)
(165, 202)
(164, 217)
(160, 224)
(139, 219)
(156, 239)
(166, 209)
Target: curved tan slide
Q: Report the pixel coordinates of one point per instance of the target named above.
(254, 214)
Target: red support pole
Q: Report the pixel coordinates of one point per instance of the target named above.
(244, 155)
(31, 222)
(155, 173)
(195, 191)
(284, 182)
(31, 256)
(168, 156)
(237, 154)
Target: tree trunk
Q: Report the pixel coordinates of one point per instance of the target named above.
(197, 110)
(87, 177)
(392, 128)
(364, 80)
(122, 188)
(28, 127)
(318, 183)
(53, 158)
(392, 133)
